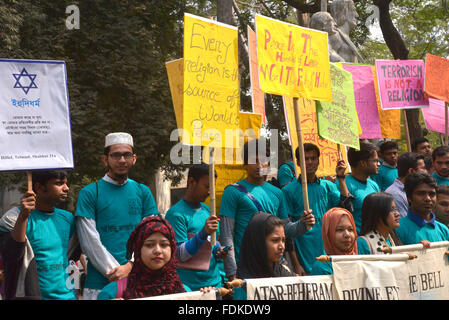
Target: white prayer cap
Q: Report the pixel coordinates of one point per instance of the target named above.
(118, 138)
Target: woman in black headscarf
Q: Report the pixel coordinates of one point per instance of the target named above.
(262, 249)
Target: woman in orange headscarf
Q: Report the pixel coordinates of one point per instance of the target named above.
(339, 238)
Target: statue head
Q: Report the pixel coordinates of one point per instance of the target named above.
(344, 12)
(323, 21)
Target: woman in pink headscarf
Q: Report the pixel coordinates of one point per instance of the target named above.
(339, 238)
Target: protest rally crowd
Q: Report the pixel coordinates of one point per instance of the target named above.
(388, 199)
(281, 223)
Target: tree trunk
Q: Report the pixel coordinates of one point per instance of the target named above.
(399, 50)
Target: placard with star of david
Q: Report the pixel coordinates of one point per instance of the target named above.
(35, 131)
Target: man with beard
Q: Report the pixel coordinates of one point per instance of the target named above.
(107, 212)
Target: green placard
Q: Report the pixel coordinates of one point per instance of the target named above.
(337, 120)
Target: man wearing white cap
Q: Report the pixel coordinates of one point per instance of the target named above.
(107, 212)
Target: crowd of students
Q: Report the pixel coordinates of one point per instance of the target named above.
(263, 230)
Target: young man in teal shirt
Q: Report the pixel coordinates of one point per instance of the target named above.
(241, 200)
(108, 211)
(420, 223)
(323, 195)
(39, 240)
(364, 163)
(440, 159)
(388, 170)
(192, 223)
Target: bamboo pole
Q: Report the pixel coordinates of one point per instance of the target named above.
(30, 181)
(446, 124)
(302, 160)
(212, 191)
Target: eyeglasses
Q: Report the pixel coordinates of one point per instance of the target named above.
(117, 156)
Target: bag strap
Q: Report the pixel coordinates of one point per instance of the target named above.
(121, 287)
(242, 188)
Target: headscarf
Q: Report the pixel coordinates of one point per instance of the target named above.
(253, 259)
(143, 282)
(331, 219)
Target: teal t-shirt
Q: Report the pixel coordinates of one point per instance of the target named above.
(238, 206)
(359, 190)
(109, 292)
(285, 173)
(385, 176)
(321, 268)
(323, 195)
(363, 248)
(440, 180)
(49, 235)
(117, 210)
(186, 222)
(412, 229)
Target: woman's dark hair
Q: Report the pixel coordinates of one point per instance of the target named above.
(375, 208)
(271, 224)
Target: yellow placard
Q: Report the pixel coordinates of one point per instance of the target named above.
(228, 173)
(293, 61)
(175, 70)
(390, 120)
(309, 130)
(211, 81)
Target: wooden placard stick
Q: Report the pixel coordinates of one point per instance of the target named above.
(212, 191)
(302, 159)
(30, 181)
(407, 133)
(446, 128)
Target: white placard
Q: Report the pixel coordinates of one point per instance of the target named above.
(35, 130)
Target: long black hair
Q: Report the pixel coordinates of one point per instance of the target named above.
(253, 258)
(375, 208)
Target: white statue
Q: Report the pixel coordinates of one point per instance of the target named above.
(338, 26)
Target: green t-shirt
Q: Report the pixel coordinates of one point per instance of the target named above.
(186, 222)
(117, 210)
(323, 195)
(238, 206)
(359, 190)
(49, 235)
(321, 268)
(412, 229)
(385, 176)
(285, 173)
(440, 180)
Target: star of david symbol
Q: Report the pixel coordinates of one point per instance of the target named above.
(24, 73)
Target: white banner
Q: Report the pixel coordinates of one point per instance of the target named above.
(195, 295)
(35, 128)
(371, 277)
(291, 288)
(428, 274)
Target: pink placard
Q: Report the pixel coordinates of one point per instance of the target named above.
(434, 116)
(365, 100)
(401, 84)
